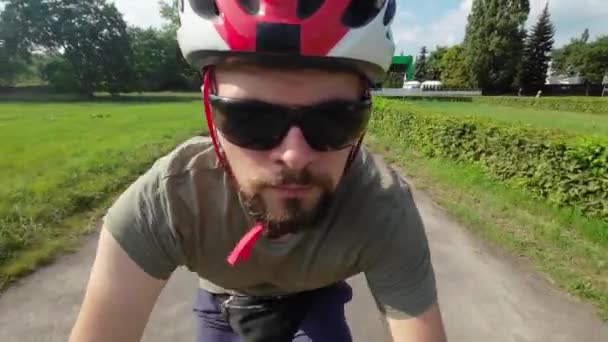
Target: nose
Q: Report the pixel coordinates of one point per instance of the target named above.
(294, 151)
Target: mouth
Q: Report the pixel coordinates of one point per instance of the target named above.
(292, 191)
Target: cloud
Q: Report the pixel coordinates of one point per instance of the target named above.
(412, 31)
(572, 17)
(142, 13)
(447, 28)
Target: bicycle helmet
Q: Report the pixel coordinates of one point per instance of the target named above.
(353, 35)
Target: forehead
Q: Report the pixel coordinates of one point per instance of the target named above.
(289, 87)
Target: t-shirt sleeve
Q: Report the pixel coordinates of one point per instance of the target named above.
(139, 220)
(400, 274)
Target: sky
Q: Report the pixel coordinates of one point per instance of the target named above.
(437, 22)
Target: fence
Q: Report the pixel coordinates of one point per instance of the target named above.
(573, 90)
(397, 92)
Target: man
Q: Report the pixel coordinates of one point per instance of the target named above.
(280, 204)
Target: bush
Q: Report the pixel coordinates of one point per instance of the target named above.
(564, 169)
(60, 76)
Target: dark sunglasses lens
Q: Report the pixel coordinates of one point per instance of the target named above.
(337, 126)
(248, 124)
(261, 126)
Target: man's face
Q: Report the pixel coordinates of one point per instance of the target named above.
(291, 185)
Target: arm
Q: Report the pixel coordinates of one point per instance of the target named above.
(400, 272)
(427, 327)
(119, 298)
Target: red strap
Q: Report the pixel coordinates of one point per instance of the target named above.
(208, 78)
(244, 247)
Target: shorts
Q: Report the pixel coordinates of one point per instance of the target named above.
(324, 322)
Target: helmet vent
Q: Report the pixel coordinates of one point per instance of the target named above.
(251, 6)
(205, 8)
(361, 12)
(391, 10)
(306, 8)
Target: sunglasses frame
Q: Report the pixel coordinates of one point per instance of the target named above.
(295, 116)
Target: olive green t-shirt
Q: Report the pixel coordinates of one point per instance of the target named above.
(184, 212)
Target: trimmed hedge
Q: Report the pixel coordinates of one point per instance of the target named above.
(595, 105)
(565, 169)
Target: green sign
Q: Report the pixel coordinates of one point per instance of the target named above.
(403, 64)
(401, 69)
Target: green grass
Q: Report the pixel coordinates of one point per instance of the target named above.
(48, 96)
(61, 161)
(585, 123)
(583, 104)
(556, 241)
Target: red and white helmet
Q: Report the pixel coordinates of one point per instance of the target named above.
(350, 34)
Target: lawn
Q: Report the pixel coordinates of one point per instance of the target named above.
(585, 123)
(60, 160)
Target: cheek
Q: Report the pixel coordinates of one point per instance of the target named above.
(333, 163)
(245, 164)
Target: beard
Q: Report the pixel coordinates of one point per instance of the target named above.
(290, 216)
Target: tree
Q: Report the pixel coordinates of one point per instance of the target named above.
(585, 36)
(421, 69)
(89, 35)
(148, 58)
(537, 54)
(14, 38)
(567, 59)
(455, 72)
(157, 63)
(589, 60)
(494, 42)
(594, 60)
(20, 26)
(169, 11)
(11, 67)
(436, 64)
(185, 75)
(60, 74)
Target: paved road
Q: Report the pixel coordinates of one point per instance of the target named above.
(485, 296)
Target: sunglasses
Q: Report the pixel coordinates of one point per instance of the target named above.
(257, 125)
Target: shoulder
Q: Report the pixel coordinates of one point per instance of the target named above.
(381, 186)
(145, 218)
(374, 205)
(172, 186)
(195, 153)
(152, 186)
(381, 207)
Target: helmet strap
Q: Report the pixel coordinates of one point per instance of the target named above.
(210, 84)
(353, 154)
(355, 150)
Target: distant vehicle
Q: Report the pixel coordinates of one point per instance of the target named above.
(411, 85)
(432, 85)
